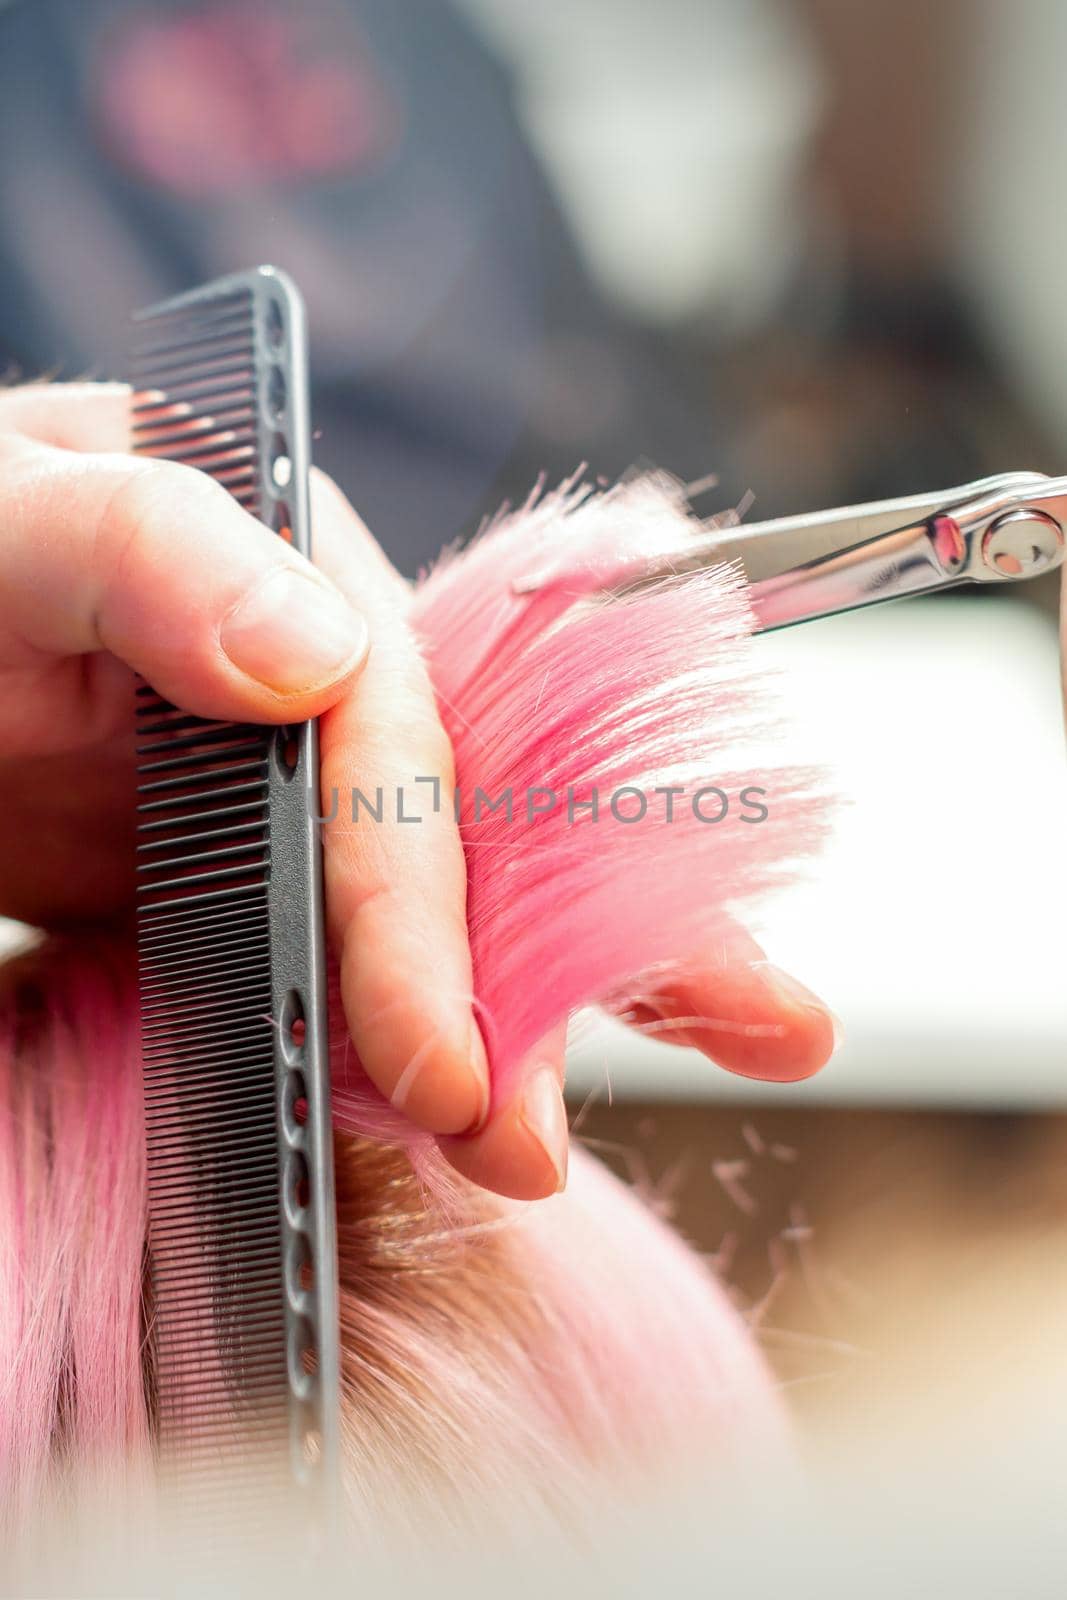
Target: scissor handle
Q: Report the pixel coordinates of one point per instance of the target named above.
(999, 530)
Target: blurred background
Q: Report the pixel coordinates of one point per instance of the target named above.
(803, 244)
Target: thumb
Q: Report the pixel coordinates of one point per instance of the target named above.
(157, 564)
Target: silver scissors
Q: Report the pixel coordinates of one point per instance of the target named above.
(998, 530)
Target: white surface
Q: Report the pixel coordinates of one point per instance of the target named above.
(937, 925)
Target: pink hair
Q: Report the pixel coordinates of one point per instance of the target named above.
(543, 683)
(531, 1345)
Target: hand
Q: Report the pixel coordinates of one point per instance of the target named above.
(396, 899)
(110, 563)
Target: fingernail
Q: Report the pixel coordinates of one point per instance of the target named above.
(294, 632)
(479, 1065)
(800, 995)
(544, 1116)
(441, 1091)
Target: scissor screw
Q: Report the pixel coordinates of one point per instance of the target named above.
(1021, 543)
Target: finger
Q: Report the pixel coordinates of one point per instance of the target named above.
(745, 1014)
(76, 416)
(157, 564)
(396, 891)
(522, 1150)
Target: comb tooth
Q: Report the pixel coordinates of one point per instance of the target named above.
(202, 757)
(146, 403)
(200, 1303)
(207, 1309)
(200, 450)
(258, 1249)
(175, 1206)
(239, 974)
(199, 735)
(228, 810)
(208, 1077)
(172, 1187)
(260, 1254)
(228, 446)
(230, 976)
(235, 323)
(227, 953)
(260, 1360)
(215, 1152)
(256, 1236)
(230, 844)
(249, 1036)
(201, 1440)
(187, 424)
(223, 1090)
(256, 764)
(247, 1040)
(214, 360)
(183, 818)
(229, 957)
(183, 1350)
(173, 418)
(230, 987)
(218, 1092)
(203, 1035)
(259, 1324)
(215, 941)
(163, 925)
(191, 880)
(234, 478)
(242, 1042)
(259, 1245)
(198, 1299)
(173, 722)
(255, 1374)
(258, 1376)
(195, 858)
(202, 303)
(188, 328)
(239, 1061)
(241, 1036)
(170, 1194)
(204, 1031)
(189, 908)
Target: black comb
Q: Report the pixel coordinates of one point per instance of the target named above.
(242, 1228)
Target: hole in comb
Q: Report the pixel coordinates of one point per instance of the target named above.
(294, 1104)
(281, 520)
(293, 1027)
(277, 394)
(287, 751)
(297, 1187)
(275, 324)
(299, 1273)
(302, 1357)
(281, 465)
